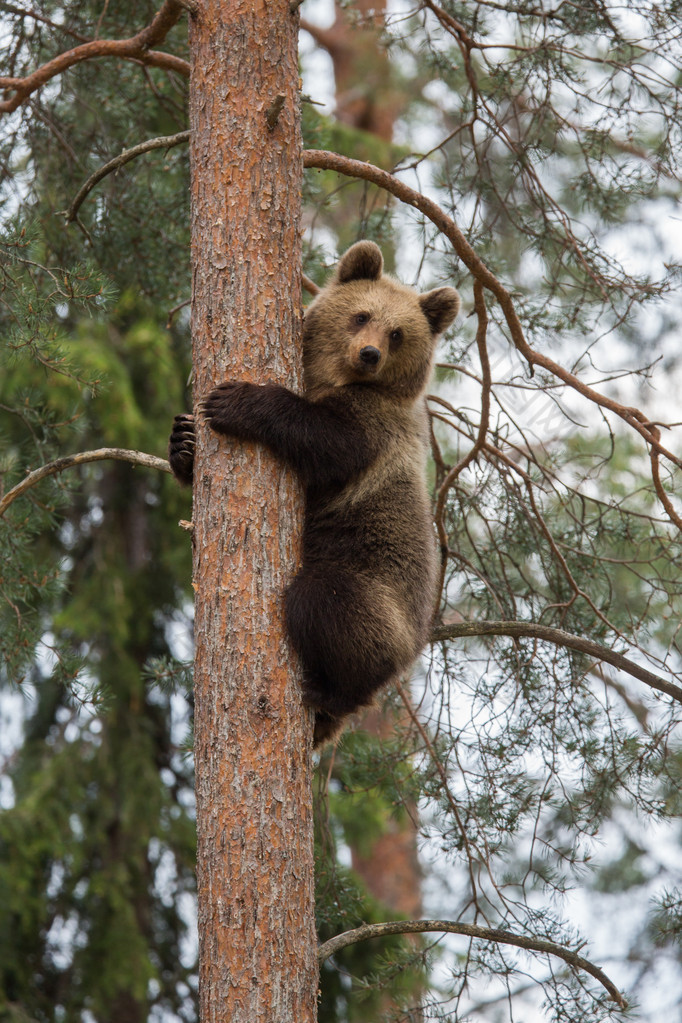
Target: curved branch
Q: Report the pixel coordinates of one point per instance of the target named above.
(162, 142)
(137, 47)
(368, 172)
(559, 637)
(329, 948)
(98, 455)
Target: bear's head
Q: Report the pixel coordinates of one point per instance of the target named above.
(365, 327)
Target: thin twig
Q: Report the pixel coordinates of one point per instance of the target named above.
(404, 696)
(175, 310)
(481, 312)
(36, 16)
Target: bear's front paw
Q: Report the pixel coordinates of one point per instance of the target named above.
(226, 408)
(181, 448)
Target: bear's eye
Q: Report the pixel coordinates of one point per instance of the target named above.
(395, 338)
(361, 319)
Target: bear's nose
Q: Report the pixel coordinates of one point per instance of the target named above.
(370, 355)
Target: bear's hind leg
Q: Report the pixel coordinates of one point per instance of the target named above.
(344, 628)
(326, 727)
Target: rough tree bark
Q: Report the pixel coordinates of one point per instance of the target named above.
(252, 736)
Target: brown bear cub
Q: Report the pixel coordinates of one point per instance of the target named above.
(359, 611)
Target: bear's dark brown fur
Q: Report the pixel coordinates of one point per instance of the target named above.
(358, 612)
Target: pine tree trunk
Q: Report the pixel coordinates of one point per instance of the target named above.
(252, 737)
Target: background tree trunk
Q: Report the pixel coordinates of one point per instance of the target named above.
(367, 93)
(252, 737)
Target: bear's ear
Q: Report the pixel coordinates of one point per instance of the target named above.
(362, 262)
(440, 308)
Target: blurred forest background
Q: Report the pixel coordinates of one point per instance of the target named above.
(518, 780)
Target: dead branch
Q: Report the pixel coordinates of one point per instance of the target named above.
(67, 461)
(137, 47)
(162, 142)
(558, 637)
(175, 310)
(494, 934)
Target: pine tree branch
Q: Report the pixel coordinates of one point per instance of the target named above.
(137, 47)
(66, 462)
(324, 160)
(559, 637)
(162, 142)
(329, 948)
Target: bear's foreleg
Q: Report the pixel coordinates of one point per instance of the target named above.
(322, 441)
